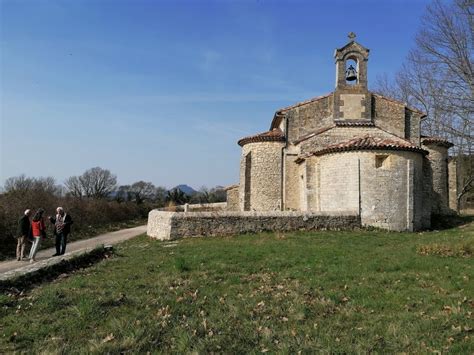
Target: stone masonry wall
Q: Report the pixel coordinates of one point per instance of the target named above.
(453, 184)
(168, 225)
(292, 191)
(310, 117)
(389, 194)
(438, 160)
(265, 176)
(392, 195)
(412, 126)
(339, 183)
(340, 134)
(427, 194)
(389, 115)
(233, 199)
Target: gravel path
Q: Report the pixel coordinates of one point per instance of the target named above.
(108, 239)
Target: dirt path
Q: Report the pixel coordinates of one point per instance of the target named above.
(108, 238)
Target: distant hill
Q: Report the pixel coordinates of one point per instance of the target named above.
(188, 190)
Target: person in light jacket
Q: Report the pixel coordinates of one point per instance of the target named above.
(38, 230)
(62, 227)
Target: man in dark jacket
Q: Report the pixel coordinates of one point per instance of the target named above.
(23, 233)
(62, 227)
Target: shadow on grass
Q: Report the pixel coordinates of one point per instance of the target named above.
(442, 222)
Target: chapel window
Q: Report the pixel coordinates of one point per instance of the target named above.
(381, 161)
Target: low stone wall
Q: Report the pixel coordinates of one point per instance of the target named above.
(196, 207)
(172, 225)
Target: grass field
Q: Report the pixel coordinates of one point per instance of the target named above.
(362, 291)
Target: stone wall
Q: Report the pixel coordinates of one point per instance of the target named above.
(169, 225)
(233, 199)
(352, 103)
(291, 184)
(196, 207)
(438, 160)
(339, 183)
(341, 134)
(427, 194)
(412, 126)
(260, 183)
(307, 118)
(385, 186)
(389, 115)
(453, 184)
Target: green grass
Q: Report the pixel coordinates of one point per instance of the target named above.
(359, 291)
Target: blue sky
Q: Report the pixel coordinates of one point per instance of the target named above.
(162, 90)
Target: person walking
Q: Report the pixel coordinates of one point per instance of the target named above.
(62, 227)
(38, 229)
(23, 233)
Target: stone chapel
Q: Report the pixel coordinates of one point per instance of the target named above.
(348, 151)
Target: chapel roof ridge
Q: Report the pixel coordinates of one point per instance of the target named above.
(366, 142)
(302, 103)
(280, 112)
(436, 140)
(273, 135)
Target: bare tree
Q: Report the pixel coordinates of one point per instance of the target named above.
(48, 185)
(19, 183)
(438, 78)
(93, 183)
(97, 182)
(74, 186)
(22, 183)
(142, 191)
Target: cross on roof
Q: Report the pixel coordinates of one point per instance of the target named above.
(352, 36)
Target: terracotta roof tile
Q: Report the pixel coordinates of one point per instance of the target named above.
(366, 143)
(356, 123)
(275, 135)
(436, 140)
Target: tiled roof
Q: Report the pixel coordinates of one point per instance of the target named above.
(275, 135)
(366, 143)
(436, 140)
(356, 123)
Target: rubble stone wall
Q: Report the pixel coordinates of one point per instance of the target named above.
(438, 160)
(233, 199)
(263, 179)
(175, 225)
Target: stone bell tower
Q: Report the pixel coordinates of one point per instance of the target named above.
(352, 99)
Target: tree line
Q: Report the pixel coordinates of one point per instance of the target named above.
(94, 199)
(97, 183)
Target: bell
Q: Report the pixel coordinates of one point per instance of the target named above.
(351, 73)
